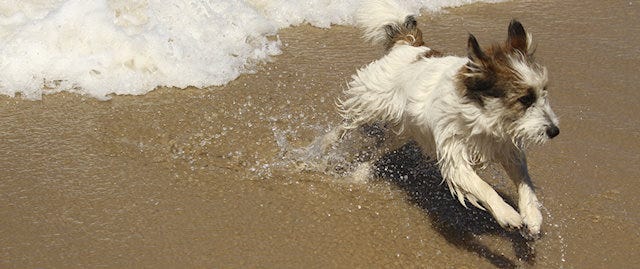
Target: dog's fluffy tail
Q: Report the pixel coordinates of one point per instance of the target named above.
(388, 22)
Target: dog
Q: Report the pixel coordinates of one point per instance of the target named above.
(466, 112)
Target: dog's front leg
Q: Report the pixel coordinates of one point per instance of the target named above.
(516, 168)
(464, 181)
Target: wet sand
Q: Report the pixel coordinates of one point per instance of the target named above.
(197, 177)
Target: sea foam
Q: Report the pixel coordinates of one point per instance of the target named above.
(104, 47)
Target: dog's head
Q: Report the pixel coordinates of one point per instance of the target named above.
(510, 89)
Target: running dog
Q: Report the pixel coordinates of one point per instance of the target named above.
(464, 111)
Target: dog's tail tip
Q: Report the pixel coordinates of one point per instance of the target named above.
(383, 21)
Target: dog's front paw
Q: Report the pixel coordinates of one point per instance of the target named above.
(532, 219)
(508, 217)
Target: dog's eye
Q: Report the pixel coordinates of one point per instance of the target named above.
(528, 99)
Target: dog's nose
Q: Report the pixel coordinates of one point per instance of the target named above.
(553, 131)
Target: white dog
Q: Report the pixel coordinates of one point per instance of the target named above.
(468, 111)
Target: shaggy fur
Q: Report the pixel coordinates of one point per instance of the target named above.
(467, 111)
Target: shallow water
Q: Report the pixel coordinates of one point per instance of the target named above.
(108, 47)
(197, 178)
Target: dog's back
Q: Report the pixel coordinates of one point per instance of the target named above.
(373, 94)
(379, 91)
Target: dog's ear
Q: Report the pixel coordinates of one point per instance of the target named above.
(476, 54)
(517, 38)
(479, 78)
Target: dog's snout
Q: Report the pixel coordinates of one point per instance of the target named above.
(553, 131)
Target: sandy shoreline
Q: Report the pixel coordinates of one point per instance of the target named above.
(195, 178)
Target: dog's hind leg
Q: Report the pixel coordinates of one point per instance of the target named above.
(376, 140)
(516, 168)
(348, 150)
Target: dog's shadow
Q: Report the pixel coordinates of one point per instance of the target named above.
(420, 179)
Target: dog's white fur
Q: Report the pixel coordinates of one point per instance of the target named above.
(426, 99)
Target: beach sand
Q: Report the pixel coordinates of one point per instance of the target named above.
(197, 177)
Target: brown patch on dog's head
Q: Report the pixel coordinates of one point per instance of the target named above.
(496, 72)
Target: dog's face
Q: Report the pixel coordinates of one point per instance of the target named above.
(510, 88)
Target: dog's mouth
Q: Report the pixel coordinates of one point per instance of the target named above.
(523, 140)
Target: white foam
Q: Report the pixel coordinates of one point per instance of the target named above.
(104, 47)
